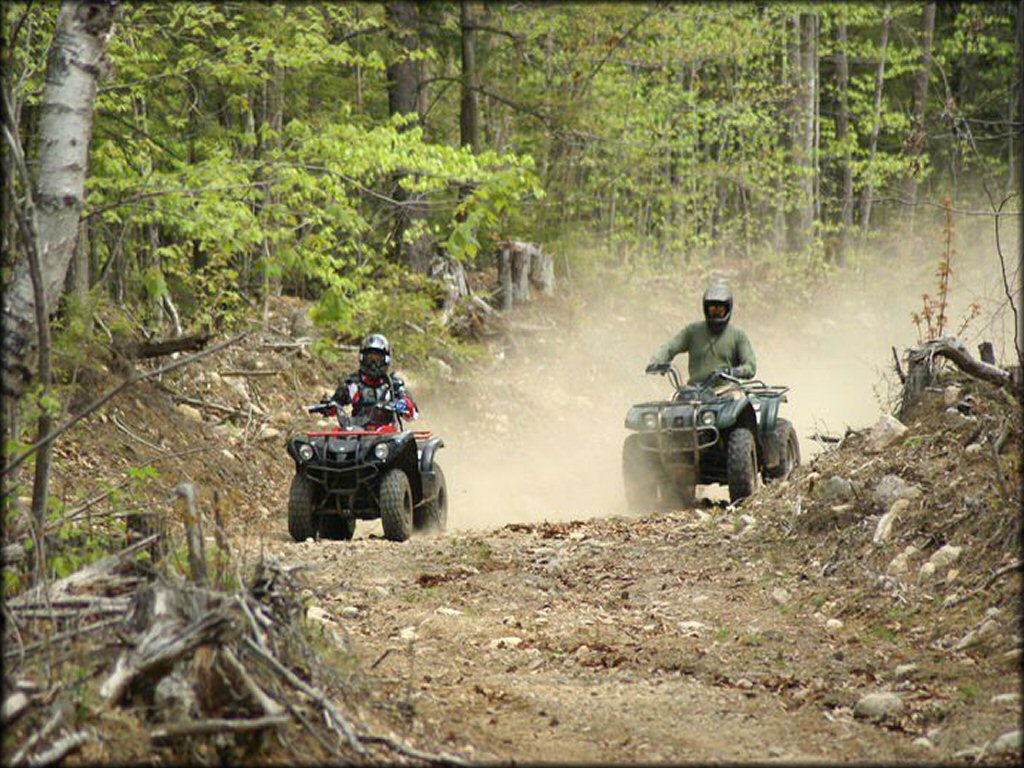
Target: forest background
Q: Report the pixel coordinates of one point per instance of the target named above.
(352, 154)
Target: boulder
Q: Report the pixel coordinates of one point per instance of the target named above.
(905, 671)
(189, 412)
(945, 556)
(881, 705)
(892, 488)
(951, 395)
(833, 489)
(883, 432)
(1009, 743)
(884, 528)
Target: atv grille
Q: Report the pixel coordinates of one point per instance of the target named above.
(684, 420)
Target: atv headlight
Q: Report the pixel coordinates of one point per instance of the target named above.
(650, 420)
(707, 418)
(380, 450)
(306, 452)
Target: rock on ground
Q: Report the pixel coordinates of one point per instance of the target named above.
(879, 706)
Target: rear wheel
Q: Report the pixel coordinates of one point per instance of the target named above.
(639, 475)
(396, 506)
(337, 528)
(741, 464)
(785, 437)
(301, 503)
(433, 515)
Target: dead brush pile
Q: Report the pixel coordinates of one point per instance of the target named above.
(139, 658)
(918, 518)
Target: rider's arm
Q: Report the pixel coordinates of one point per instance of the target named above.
(674, 346)
(744, 364)
(347, 392)
(399, 393)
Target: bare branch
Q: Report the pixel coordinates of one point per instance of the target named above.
(114, 392)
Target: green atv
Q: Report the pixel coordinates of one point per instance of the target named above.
(723, 430)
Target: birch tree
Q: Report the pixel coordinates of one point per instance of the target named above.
(74, 63)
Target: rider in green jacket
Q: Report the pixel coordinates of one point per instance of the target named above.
(713, 346)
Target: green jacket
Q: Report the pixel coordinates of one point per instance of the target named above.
(709, 351)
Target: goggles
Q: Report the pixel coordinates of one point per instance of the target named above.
(717, 311)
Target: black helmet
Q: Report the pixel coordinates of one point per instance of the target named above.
(715, 298)
(375, 355)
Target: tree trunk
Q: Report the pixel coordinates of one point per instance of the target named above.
(469, 117)
(842, 138)
(869, 187)
(918, 140)
(65, 129)
(402, 75)
(1016, 113)
(403, 99)
(801, 131)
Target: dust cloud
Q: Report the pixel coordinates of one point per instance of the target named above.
(536, 434)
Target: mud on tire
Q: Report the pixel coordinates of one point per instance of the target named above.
(433, 515)
(337, 528)
(301, 505)
(741, 464)
(396, 506)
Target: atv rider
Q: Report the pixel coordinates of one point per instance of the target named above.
(714, 346)
(372, 385)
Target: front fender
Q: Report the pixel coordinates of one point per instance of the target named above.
(432, 446)
(739, 411)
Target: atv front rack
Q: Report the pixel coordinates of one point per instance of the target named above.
(418, 434)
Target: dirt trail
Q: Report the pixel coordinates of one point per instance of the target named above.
(549, 624)
(622, 640)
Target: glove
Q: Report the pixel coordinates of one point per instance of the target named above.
(401, 406)
(654, 367)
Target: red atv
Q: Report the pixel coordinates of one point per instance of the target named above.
(365, 468)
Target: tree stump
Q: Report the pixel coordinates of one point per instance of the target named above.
(520, 266)
(921, 368)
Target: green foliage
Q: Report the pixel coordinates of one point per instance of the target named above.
(240, 149)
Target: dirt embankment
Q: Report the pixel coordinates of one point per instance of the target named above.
(550, 624)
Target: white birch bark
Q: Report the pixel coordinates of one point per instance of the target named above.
(65, 129)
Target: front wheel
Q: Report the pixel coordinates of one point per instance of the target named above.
(638, 476)
(433, 515)
(396, 506)
(741, 464)
(301, 506)
(789, 451)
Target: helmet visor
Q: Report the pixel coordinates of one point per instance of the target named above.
(716, 310)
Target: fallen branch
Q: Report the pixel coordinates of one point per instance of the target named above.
(251, 373)
(132, 435)
(441, 758)
(953, 350)
(199, 727)
(80, 580)
(61, 748)
(205, 404)
(147, 349)
(60, 637)
(314, 693)
(49, 727)
(97, 404)
(162, 643)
